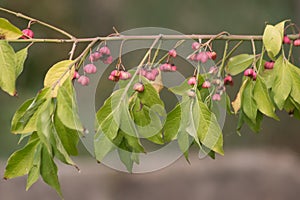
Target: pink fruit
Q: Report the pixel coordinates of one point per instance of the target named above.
(192, 81)
(211, 55)
(113, 78)
(297, 42)
(213, 70)
(206, 84)
(216, 97)
(196, 45)
(228, 80)
(286, 40)
(202, 57)
(155, 72)
(254, 75)
(269, 65)
(27, 33)
(125, 75)
(150, 76)
(104, 50)
(173, 68)
(173, 53)
(191, 93)
(249, 72)
(193, 57)
(165, 67)
(108, 60)
(139, 87)
(76, 75)
(95, 56)
(90, 69)
(83, 80)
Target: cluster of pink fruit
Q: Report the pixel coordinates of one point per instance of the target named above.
(102, 54)
(201, 56)
(287, 40)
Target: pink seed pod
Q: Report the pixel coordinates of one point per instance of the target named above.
(202, 57)
(254, 76)
(193, 57)
(165, 67)
(155, 72)
(108, 60)
(269, 65)
(228, 80)
(216, 97)
(83, 80)
(173, 53)
(213, 70)
(90, 69)
(150, 76)
(95, 56)
(206, 84)
(286, 40)
(104, 50)
(191, 93)
(297, 42)
(76, 75)
(27, 33)
(248, 72)
(196, 45)
(139, 87)
(173, 68)
(192, 81)
(211, 55)
(142, 72)
(124, 75)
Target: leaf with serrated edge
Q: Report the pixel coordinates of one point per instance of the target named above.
(263, 100)
(9, 31)
(58, 74)
(239, 63)
(20, 162)
(8, 64)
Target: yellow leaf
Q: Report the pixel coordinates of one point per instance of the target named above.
(58, 74)
(236, 104)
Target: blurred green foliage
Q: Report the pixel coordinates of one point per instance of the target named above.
(91, 18)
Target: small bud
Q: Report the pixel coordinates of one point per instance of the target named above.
(216, 97)
(27, 33)
(192, 81)
(173, 53)
(83, 80)
(196, 45)
(286, 40)
(90, 69)
(228, 80)
(139, 87)
(297, 42)
(173, 68)
(206, 84)
(211, 55)
(76, 75)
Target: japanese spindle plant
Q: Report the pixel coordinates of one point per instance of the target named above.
(50, 121)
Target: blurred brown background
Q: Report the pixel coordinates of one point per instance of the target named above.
(239, 172)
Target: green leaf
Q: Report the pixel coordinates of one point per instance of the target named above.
(9, 31)
(268, 77)
(20, 162)
(102, 146)
(8, 64)
(256, 125)
(249, 105)
(181, 89)
(48, 170)
(34, 172)
(24, 120)
(238, 64)
(172, 124)
(149, 96)
(44, 124)
(67, 110)
(125, 155)
(209, 131)
(282, 85)
(68, 137)
(272, 40)
(58, 74)
(184, 142)
(21, 56)
(295, 75)
(263, 100)
(280, 27)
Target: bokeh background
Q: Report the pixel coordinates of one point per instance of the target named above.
(251, 161)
